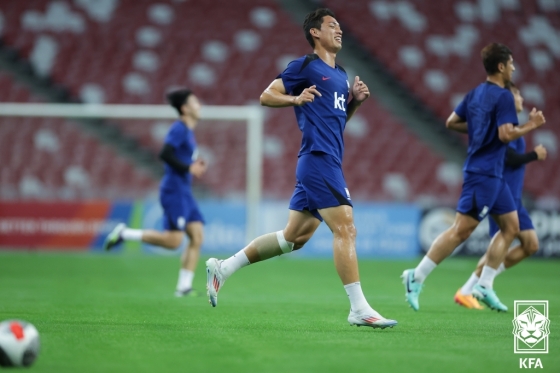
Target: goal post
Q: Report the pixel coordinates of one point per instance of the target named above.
(251, 115)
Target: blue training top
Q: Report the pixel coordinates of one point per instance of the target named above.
(181, 138)
(486, 108)
(514, 175)
(322, 121)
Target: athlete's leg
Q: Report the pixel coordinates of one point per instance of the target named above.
(341, 223)
(509, 229)
(189, 257)
(195, 233)
(301, 226)
(175, 210)
(480, 264)
(504, 213)
(493, 229)
(527, 237)
(445, 243)
(483, 290)
(299, 229)
(464, 296)
(449, 240)
(167, 239)
(529, 242)
(529, 245)
(441, 248)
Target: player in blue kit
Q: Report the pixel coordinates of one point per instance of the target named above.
(181, 213)
(514, 173)
(318, 89)
(489, 110)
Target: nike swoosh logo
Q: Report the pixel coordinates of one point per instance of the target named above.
(326, 78)
(407, 285)
(483, 292)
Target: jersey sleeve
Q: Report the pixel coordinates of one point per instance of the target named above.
(293, 77)
(461, 109)
(505, 109)
(175, 136)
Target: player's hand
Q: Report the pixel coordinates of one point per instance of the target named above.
(198, 168)
(308, 95)
(360, 91)
(541, 152)
(537, 117)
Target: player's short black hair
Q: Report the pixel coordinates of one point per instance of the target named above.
(494, 54)
(178, 98)
(314, 20)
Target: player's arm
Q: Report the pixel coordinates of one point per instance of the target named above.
(167, 155)
(353, 106)
(275, 95)
(456, 123)
(508, 132)
(515, 159)
(506, 115)
(360, 93)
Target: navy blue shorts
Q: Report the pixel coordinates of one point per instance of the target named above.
(319, 184)
(179, 209)
(525, 222)
(483, 195)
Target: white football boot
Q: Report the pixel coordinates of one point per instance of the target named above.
(370, 318)
(214, 280)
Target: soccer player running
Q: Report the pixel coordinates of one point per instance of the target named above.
(514, 173)
(181, 213)
(318, 90)
(489, 110)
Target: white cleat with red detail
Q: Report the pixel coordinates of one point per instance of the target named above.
(214, 280)
(370, 318)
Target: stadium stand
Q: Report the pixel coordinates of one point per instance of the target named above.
(434, 48)
(48, 158)
(132, 52)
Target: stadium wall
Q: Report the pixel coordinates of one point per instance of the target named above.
(385, 230)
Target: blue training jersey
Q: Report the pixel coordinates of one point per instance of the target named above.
(514, 176)
(181, 138)
(322, 121)
(486, 108)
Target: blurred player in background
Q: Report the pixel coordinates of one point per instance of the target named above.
(490, 112)
(514, 173)
(181, 213)
(318, 89)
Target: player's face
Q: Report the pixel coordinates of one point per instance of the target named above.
(518, 100)
(330, 35)
(191, 108)
(509, 68)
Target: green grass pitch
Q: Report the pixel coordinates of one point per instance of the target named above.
(117, 313)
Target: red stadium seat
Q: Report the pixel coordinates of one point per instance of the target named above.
(385, 37)
(104, 54)
(44, 163)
